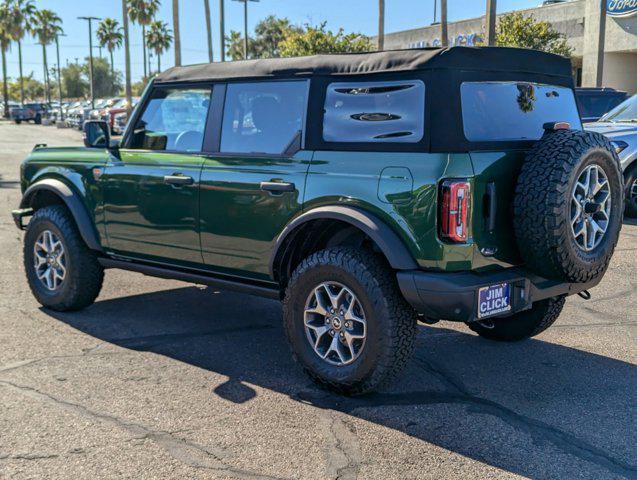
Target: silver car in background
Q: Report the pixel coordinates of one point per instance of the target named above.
(620, 126)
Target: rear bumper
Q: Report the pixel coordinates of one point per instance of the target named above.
(454, 296)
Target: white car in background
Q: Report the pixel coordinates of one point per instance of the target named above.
(620, 126)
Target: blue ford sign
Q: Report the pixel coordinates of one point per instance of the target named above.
(621, 8)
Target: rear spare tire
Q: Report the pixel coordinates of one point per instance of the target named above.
(568, 207)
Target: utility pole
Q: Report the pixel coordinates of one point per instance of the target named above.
(489, 27)
(381, 25)
(57, 49)
(245, 25)
(129, 93)
(444, 36)
(90, 55)
(222, 25)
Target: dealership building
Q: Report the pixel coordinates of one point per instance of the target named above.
(570, 19)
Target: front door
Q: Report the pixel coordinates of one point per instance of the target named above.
(151, 193)
(255, 184)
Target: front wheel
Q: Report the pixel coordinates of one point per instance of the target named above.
(522, 325)
(631, 191)
(347, 323)
(63, 273)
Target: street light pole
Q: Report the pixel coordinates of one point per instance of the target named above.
(245, 25)
(90, 55)
(222, 28)
(57, 49)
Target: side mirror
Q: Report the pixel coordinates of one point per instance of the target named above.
(97, 134)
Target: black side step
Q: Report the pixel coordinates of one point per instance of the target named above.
(199, 278)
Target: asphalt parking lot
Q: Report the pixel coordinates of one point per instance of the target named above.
(161, 379)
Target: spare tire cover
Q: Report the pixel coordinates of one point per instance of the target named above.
(568, 206)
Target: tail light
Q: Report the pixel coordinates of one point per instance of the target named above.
(455, 202)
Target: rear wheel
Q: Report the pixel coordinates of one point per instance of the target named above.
(522, 325)
(63, 273)
(346, 321)
(631, 191)
(18, 122)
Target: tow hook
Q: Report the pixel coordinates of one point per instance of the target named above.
(585, 294)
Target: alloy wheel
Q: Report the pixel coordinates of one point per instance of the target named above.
(590, 208)
(335, 323)
(49, 260)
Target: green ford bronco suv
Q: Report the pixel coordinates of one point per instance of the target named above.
(367, 191)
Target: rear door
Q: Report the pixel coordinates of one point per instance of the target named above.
(151, 193)
(254, 183)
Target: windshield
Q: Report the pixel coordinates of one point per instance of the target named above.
(624, 112)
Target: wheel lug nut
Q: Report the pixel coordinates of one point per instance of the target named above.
(332, 332)
(327, 321)
(348, 324)
(341, 334)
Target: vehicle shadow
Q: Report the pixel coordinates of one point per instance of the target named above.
(532, 408)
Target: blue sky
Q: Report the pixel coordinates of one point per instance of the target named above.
(352, 15)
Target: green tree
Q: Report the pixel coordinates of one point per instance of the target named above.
(159, 39)
(73, 83)
(33, 89)
(524, 31)
(110, 36)
(106, 83)
(46, 26)
(142, 12)
(5, 42)
(318, 39)
(20, 17)
(268, 34)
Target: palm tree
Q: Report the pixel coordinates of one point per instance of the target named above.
(5, 41)
(159, 39)
(109, 34)
(142, 12)
(20, 17)
(206, 7)
(176, 30)
(46, 26)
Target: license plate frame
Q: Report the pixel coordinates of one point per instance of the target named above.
(494, 300)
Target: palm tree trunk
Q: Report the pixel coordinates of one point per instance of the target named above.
(5, 87)
(21, 77)
(110, 51)
(490, 19)
(208, 29)
(381, 25)
(47, 86)
(222, 29)
(129, 93)
(158, 63)
(144, 49)
(176, 33)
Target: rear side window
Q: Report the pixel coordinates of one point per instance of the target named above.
(263, 117)
(173, 120)
(509, 111)
(375, 112)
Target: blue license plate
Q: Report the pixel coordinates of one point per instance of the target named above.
(494, 299)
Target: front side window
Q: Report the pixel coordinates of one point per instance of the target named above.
(510, 111)
(375, 112)
(263, 117)
(624, 112)
(173, 120)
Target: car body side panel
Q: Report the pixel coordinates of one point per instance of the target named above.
(73, 166)
(407, 205)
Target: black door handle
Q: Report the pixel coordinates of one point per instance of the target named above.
(277, 186)
(178, 179)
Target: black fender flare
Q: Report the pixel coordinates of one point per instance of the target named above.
(392, 246)
(73, 203)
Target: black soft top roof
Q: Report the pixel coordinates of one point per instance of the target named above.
(484, 59)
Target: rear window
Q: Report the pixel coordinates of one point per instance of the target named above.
(509, 111)
(375, 112)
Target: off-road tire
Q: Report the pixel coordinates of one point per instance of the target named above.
(522, 325)
(38, 119)
(18, 122)
(391, 321)
(84, 274)
(631, 202)
(542, 205)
